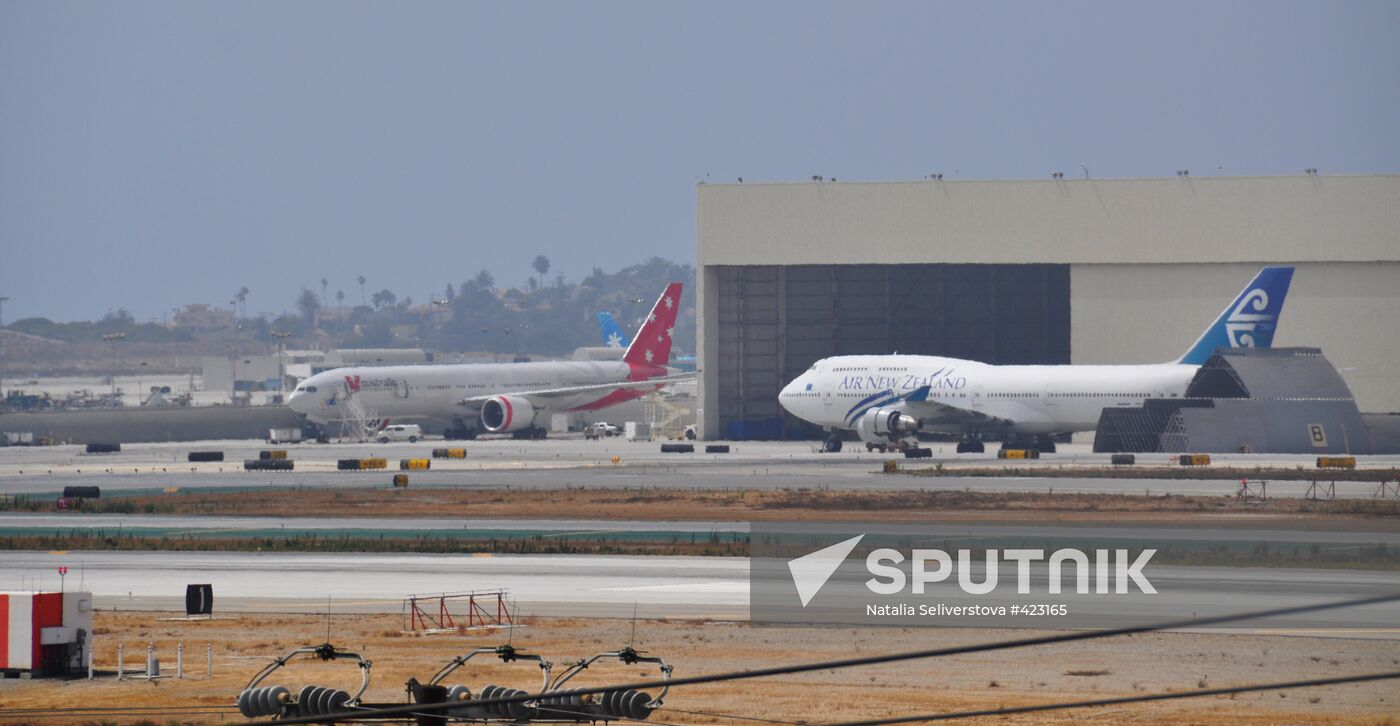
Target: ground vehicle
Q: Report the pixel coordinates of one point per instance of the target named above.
(401, 432)
(284, 435)
(600, 430)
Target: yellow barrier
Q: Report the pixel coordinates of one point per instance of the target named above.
(449, 453)
(415, 463)
(1194, 460)
(400, 480)
(1018, 454)
(374, 463)
(1336, 462)
(891, 467)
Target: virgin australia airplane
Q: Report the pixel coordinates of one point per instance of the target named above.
(515, 398)
(888, 399)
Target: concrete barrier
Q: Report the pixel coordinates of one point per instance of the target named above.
(267, 464)
(1018, 454)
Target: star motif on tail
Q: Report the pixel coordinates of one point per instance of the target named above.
(649, 356)
(669, 302)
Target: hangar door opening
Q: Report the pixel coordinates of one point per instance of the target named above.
(775, 321)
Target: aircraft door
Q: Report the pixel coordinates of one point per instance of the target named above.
(401, 390)
(976, 396)
(828, 398)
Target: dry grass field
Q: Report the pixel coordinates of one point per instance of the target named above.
(1121, 666)
(659, 504)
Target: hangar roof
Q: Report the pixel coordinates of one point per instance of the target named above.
(1306, 218)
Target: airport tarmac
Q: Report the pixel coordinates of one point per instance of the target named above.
(606, 586)
(1343, 534)
(574, 462)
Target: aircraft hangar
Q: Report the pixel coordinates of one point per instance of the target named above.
(1031, 271)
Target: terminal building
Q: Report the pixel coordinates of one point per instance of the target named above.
(1047, 271)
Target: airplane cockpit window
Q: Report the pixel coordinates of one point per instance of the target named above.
(309, 389)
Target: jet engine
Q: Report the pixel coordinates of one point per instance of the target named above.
(507, 414)
(883, 425)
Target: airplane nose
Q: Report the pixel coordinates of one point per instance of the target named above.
(785, 396)
(297, 401)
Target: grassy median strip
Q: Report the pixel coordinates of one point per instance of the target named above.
(662, 504)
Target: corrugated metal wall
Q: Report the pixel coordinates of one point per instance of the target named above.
(775, 321)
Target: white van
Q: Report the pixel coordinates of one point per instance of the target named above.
(401, 432)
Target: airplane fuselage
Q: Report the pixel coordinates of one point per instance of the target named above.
(1028, 399)
(437, 391)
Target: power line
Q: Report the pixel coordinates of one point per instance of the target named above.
(852, 662)
(1126, 699)
(734, 716)
(105, 709)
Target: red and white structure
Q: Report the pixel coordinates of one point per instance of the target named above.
(45, 633)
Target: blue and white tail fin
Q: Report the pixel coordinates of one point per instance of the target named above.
(613, 336)
(1249, 321)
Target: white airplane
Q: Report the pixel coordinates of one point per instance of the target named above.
(515, 398)
(888, 399)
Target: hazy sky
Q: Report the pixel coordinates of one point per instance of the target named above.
(154, 154)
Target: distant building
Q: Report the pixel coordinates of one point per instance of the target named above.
(201, 317)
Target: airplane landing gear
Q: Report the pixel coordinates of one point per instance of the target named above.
(832, 445)
(459, 430)
(533, 432)
(971, 446)
(1042, 444)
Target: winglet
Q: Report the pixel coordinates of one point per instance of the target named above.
(652, 346)
(1249, 321)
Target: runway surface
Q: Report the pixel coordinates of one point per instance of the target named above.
(658, 586)
(45, 471)
(1343, 534)
(220, 526)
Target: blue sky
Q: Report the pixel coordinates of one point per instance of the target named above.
(154, 154)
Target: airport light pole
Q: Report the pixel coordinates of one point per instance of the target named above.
(281, 336)
(3, 300)
(113, 338)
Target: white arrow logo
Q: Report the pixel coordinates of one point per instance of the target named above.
(811, 571)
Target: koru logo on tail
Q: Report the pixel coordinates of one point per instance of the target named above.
(1246, 318)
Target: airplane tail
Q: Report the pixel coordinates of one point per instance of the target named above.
(652, 346)
(613, 336)
(1249, 321)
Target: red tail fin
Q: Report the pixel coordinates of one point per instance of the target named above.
(652, 344)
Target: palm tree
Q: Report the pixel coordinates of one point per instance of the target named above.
(340, 298)
(309, 305)
(324, 285)
(362, 282)
(242, 297)
(541, 265)
(485, 280)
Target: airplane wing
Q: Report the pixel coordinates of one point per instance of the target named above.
(917, 404)
(541, 399)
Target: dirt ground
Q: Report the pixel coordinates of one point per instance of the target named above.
(1118, 666)
(818, 504)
